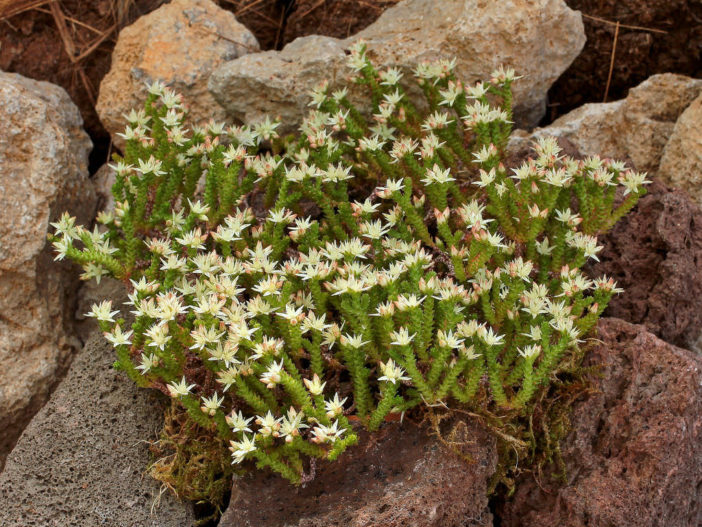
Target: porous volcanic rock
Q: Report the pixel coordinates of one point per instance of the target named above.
(43, 172)
(81, 461)
(634, 456)
(539, 38)
(635, 129)
(655, 254)
(681, 165)
(399, 478)
(180, 44)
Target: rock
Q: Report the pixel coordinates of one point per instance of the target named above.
(180, 44)
(277, 83)
(103, 180)
(93, 293)
(681, 165)
(538, 38)
(399, 478)
(43, 172)
(81, 461)
(635, 129)
(634, 456)
(655, 255)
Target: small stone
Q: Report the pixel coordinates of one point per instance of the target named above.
(635, 129)
(180, 44)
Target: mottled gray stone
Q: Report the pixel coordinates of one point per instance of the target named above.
(82, 459)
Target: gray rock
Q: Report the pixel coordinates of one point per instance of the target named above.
(81, 461)
(635, 129)
(43, 172)
(180, 43)
(539, 38)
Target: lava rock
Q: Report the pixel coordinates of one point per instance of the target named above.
(401, 477)
(655, 255)
(634, 456)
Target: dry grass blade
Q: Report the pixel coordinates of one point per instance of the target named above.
(60, 21)
(611, 62)
(10, 8)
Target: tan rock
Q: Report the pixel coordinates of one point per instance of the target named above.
(180, 44)
(635, 129)
(43, 171)
(681, 164)
(539, 38)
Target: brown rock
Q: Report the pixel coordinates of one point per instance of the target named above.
(635, 129)
(655, 254)
(681, 165)
(179, 44)
(400, 477)
(634, 457)
(43, 172)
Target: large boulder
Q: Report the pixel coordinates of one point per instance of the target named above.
(81, 461)
(655, 255)
(635, 129)
(538, 38)
(180, 44)
(400, 477)
(634, 456)
(681, 165)
(43, 172)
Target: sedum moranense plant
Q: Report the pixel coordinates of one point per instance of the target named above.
(287, 290)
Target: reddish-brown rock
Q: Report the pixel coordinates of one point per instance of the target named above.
(655, 254)
(634, 456)
(401, 477)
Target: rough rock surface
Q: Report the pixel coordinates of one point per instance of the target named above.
(655, 254)
(179, 44)
(402, 478)
(43, 172)
(635, 129)
(538, 38)
(681, 165)
(81, 460)
(634, 456)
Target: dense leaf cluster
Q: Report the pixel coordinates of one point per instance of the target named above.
(285, 290)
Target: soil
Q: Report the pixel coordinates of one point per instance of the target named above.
(639, 53)
(31, 44)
